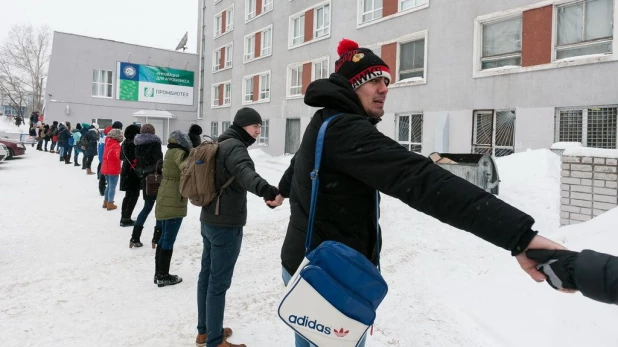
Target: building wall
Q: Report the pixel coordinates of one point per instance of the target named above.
(453, 84)
(70, 80)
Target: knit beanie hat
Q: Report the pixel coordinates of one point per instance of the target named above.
(117, 125)
(147, 129)
(195, 129)
(359, 65)
(247, 116)
(95, 125)
(116, 134)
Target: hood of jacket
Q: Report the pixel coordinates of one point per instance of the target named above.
(142, 139)
(75, 130)
(131, 131)
(181, 138)
(238, 133)
(336, 93)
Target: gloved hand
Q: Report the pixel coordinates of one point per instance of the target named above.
(269, 193)
(557, 265)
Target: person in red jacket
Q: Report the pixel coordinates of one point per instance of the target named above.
(111, 167)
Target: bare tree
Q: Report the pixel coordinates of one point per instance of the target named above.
(24, 59)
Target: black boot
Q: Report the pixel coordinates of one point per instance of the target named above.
(67, 157)
(157, 260)
(164, 278)
(135, 242)
(76, 163)
(156, 236)
(102, 185)
(125, 214)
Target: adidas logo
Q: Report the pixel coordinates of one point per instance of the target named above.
(311, 324)
(341, 333)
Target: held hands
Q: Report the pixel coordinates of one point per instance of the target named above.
(277, 202)
(269, 193)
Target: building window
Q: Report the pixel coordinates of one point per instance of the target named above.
(249, 47)
(216, 60)
(264, 87)
(248, 92)
(501, 44)
(410, 131)
(371, 10)
(102, 83)
(267, 5)
(494, 132)
(250, 9)
(263, 139)
(412, 59)
(227, 94)
(295, 74)
(298, 30)
(228, 56)
(218, 20)
(224, 24)
(267, 42)
(320, 69)
(221, 94)
(216, 95)
(224, 126)
(322, 21)
(217, 1)
(585, 27)
(214, 129)
(592, 127)
(408, 4)
(229, 18)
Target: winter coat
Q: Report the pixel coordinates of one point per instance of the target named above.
(111, 158)
(92, 135)
(148, 153)
(596, 276)
(233, 160)
(170, 204)
(63, 136)
(358, 160)
(77, 137)
(129, 180)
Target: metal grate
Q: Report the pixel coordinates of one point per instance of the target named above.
(494, 137)
(410, 131)
(602, 127)
(569, 126)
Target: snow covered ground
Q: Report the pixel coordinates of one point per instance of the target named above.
(68, 277)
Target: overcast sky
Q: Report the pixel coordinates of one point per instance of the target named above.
(156, 23)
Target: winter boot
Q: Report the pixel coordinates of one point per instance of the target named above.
(61, 158)
(76, 164)
(157, 256)
(102, 185)
(89, 172)
(111, 206)
(156, 236)
(125, 215)
(137, 232)
(67, 158)
(228, 344)
(164, 278)
(126, 222)
(200, 340)
(104, 203)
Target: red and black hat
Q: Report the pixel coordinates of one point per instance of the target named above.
(359, 65)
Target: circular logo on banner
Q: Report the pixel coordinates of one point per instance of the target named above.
(129, 71)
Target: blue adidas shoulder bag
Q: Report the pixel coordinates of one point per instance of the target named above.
(332, 298)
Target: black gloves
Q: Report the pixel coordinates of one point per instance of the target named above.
(557, 265)
(269, 193)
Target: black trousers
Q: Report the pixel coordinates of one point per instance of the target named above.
(128, 203)
(89, 162)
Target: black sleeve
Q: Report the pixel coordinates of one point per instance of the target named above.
(363, 152)
(285, 184)
(239, 163)
(596, 276)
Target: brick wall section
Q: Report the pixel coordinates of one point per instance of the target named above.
(536, 40)
(258, 44)
(589, 187)
(389, 7)
(258, 7)
(223, 21)
(309, 25)
(306, 76)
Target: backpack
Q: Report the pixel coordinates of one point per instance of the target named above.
(84, 141)
(197, 180)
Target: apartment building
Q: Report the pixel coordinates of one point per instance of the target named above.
(468, 76)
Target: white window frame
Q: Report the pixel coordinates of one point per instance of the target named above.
(299, 38)
(267, 5)
(266, 51)
(264, 88)
(229, 24)
(373, 11)
(554, 64)
(216, 57)
(409, 141)
(249, 50)
(291, 70)
(503, 56)
(248, 56)
(326, 19)
(217, 25)
(261, 88)
(214, 129)
(360, 6)
(584, 128)
(225, 125)
(229, 56)
(227, 101)
(492, 147)
(325, 64)
(99, 83)
(264, 134)
(395, 78)
(250, 9)
(229, 19)
(416, 4)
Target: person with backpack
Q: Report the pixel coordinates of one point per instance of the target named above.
(171, 207)
(89, 144)
(77, 137)
(149, 161)
(54, 136)
(111, 167)
(129, 181)
(64, 134)
(358, 161)
(195, 132)
(222, 223)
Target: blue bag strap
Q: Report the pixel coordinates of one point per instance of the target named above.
(315, 183)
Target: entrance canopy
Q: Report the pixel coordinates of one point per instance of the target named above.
(159, 119)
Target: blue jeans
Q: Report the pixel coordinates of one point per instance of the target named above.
(61, 151)
(221, 249)
(77, 152)
(141, 217)
(170, 228)
(298, 340)
(110, 190)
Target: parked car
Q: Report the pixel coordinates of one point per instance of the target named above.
(15, 148)
(4, 152)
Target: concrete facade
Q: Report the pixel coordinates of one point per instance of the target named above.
(453, 84)
(69, 95)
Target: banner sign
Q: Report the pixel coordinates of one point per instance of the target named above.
(154, 84)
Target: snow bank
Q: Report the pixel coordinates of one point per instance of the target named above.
(7, 126)
(591, 152)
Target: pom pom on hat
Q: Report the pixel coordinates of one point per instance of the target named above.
(346, 46)
(359, 65)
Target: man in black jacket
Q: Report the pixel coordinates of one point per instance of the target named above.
(358, 159)
(222, 232)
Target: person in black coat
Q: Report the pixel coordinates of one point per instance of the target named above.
(195, 132)
(149, 159)
(91, 141)
(359, 160)
(129, 181)
(594, 274)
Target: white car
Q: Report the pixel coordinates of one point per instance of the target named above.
(4, 152)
